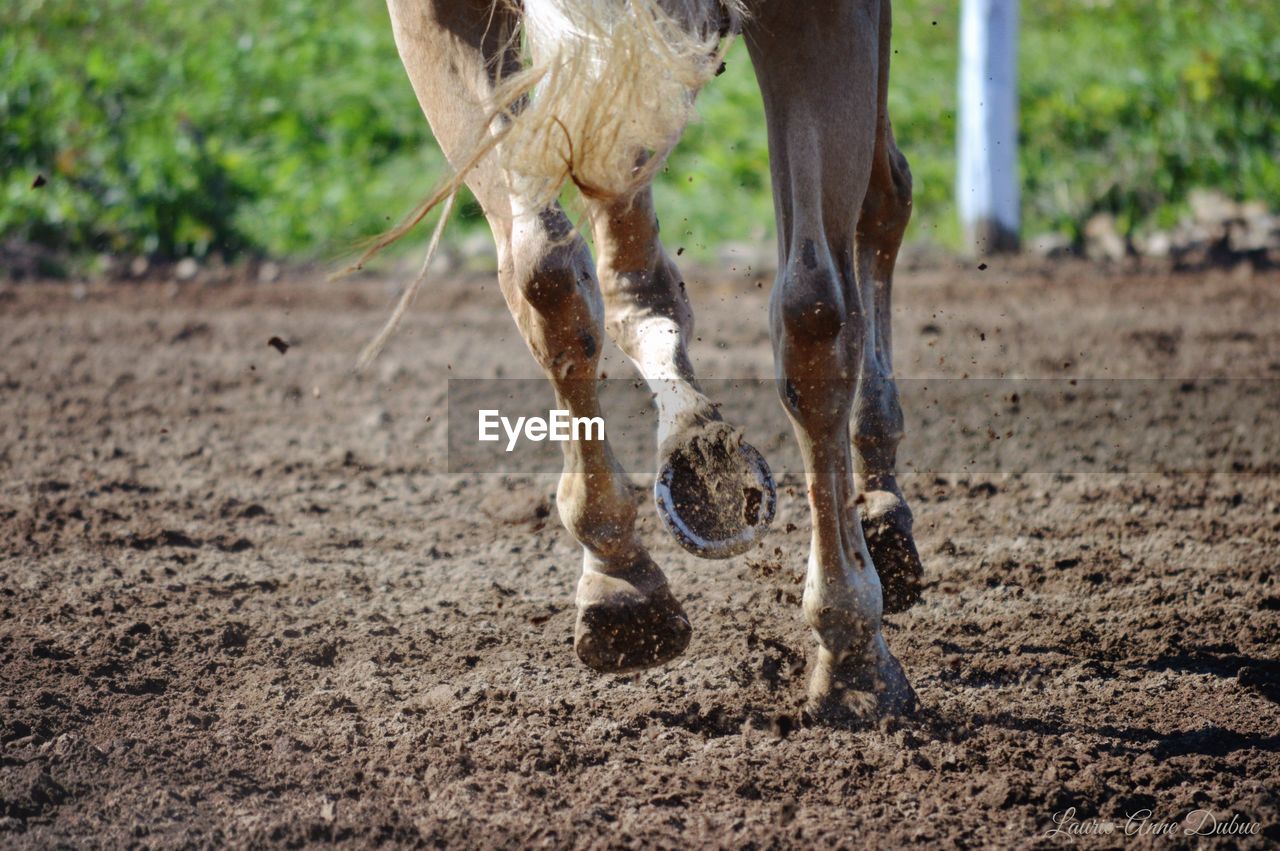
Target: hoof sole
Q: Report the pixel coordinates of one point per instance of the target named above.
(886, 525)
(714, 492)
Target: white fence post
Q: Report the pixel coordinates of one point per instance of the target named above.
(987, 172)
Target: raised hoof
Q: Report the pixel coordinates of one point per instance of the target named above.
(886, 525)
(624, 629)
(714, 491)
(861, 688)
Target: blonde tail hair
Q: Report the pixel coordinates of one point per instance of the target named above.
(378, 343)
(606, 88)
(612, 85)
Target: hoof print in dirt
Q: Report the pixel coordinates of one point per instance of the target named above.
(1261, 677)
(714, 491)
(886, 525)
(627, 631)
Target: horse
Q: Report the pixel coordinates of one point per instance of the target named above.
(523, 98)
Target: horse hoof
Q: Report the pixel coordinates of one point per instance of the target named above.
(886, 525)
(621, 628)
(861, 688)
(714, 491)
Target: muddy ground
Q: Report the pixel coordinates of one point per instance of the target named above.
(241, 600)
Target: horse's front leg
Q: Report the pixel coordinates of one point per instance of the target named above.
(818, 72)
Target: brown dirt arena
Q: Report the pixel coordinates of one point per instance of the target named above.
(242, 603)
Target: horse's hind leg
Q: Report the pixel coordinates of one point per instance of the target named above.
(453, 49)
(714, 491)
(818, 71)
(877, 415)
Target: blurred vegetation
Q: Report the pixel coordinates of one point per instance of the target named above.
(287, 128)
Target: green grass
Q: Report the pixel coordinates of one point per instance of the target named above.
(287, 128)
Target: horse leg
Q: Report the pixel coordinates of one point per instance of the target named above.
(714, 491)
(877, 414)
(818, 70)
(454, 50)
